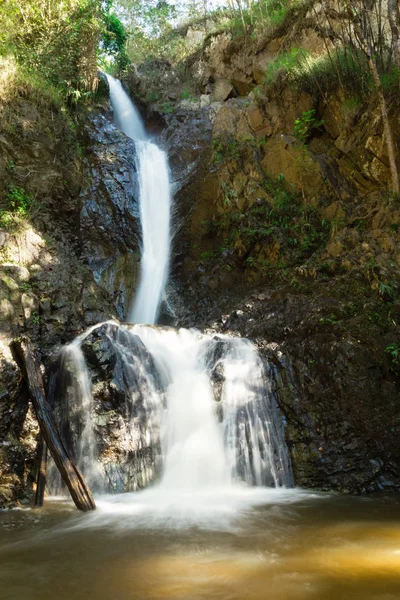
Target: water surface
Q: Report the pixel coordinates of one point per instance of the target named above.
(287, 547)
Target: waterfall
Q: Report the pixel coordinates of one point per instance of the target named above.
(193, 448)
(126, 115)
(73, 358)
(188, 412)
(248, 443)
(155, 207)
(196, 411)
(257, 452)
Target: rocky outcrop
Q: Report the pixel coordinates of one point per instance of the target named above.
(337, 389)
(121, 424)
(293, 244)
(65, 263)
(109, 216)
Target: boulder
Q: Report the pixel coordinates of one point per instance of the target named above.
(223, 89)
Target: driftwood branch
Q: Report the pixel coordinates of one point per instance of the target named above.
(71, 475)
(41, 473)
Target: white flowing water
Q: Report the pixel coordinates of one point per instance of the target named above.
(255, 437)
(216, 435)
(193, 449)
(155, 207)
(86, 446)
(206, 407)
(126, 116)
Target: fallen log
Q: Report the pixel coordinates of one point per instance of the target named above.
(41, 473)
(71, 475)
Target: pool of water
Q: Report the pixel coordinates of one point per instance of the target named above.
(281, 546)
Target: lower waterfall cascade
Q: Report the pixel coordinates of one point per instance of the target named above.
(190, 413)
(203, 406)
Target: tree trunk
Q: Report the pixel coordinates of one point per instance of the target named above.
(240, 7)
(386, 124)
(41, 473)
(71, 475)
(369, 53)
(393, 12)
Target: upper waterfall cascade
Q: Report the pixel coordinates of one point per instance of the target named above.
(155, 207)
(188, 411)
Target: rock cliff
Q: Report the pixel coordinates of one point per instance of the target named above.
(69, 261)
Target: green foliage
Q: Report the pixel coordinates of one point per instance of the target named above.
(393, 351)
(225, 148)
(20, 201)
(35, 319)
(152, 96)
(277, 232)
(260, 16)
(343, 67)
(19, 204)
(286, 62)
(58, 42)
(351, 105)
(167, 107)
(188, 95)
(390, 79)
(386, 290)
(157, 29)
(305, 124)
(114, 39)
(208, 255)
(151, 31)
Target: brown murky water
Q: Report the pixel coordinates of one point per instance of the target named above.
(317, 547)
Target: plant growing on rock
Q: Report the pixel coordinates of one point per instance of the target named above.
(393, 351)
(305, 124)
(19, 204)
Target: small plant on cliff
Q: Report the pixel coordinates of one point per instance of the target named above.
(19, 203)
(167, 107)
(305, 124)
(224, 148)
(286, 62)
(35, 319)
(386, 291)
(393, 351)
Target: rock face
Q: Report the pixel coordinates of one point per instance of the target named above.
(336, 389)
(66, 264)
(121, 424)
(289, 242)
(109, 216)
(294, 245)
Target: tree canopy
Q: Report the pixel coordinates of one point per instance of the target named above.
(60, 40)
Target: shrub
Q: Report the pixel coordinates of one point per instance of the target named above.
(18, 206)
(304, 125)
(393, 351)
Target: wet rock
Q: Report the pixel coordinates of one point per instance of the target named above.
(110, 220)
(123, 376)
